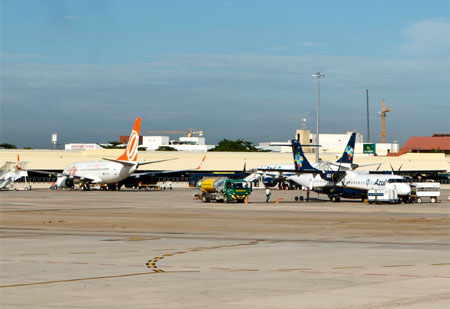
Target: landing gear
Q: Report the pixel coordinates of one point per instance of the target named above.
(335, 198)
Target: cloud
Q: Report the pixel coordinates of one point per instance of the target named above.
(278, 48)
(19, 56)
(72, 17)
(311, 44)
(429, 36)
(251, 96)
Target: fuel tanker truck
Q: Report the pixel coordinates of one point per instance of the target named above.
(223, 190)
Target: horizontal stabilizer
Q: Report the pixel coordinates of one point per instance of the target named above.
(290, 144)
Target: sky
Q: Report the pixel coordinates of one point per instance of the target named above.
(243, 69)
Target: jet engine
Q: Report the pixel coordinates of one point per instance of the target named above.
(65, 182)
(270, 182)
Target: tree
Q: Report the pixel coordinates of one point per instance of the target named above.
(7, 146)
(236, 146)
(113, 145)
(166, 148)
(436, 150)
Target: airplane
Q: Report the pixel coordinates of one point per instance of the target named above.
(345, 183)
(110, 171)
(272, 177)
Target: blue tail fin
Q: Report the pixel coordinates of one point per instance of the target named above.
(300, 161)
(347, 156)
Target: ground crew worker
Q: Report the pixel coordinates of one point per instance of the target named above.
(307, 194)
(53, 185)
(267, 195)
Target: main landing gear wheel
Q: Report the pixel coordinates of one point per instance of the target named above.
(335, 199)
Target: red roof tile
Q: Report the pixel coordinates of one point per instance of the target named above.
(417, 143)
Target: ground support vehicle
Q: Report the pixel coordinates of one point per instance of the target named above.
(159, 186)
(382, 196)
(223, 190)
(424, 190)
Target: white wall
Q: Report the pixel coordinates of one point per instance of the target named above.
(153, 142)
(82, 146)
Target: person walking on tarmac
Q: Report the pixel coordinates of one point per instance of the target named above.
(267, 194)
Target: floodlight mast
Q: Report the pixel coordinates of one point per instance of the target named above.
(317, 75)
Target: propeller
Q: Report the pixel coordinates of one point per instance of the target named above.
(393, 172)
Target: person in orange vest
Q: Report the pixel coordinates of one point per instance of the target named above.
(53, 185)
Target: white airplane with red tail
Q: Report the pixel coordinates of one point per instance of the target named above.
(110, 171)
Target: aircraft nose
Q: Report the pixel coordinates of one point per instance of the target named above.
(405, 189)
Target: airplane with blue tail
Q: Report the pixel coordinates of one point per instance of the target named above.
(342, 183)
(271, 176)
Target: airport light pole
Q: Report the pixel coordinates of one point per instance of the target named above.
(318, 76)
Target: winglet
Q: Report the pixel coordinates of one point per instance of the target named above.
(201, 163)
(130, 153)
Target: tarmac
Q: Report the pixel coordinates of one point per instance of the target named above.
(163, 249)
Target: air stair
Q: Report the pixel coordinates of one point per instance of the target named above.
(10, 173)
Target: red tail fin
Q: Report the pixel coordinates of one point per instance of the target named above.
(130, 153)
(201, 163)
(18, 162)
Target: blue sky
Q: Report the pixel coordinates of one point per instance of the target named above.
(234, 69)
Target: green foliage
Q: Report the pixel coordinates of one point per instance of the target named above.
(113, 145)
(166, 148)
(7, 146)
(236, 146)
(27, 148)
(436, 150)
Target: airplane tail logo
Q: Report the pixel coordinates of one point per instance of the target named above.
(201, 163)
(347, 156)
(130, 153)
(300, 161)
(18, 163)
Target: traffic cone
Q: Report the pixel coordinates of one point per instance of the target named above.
(277, 200)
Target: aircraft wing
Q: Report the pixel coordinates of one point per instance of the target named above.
(56, 174)
(151, 162)
(281, 171)
(168, 171)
